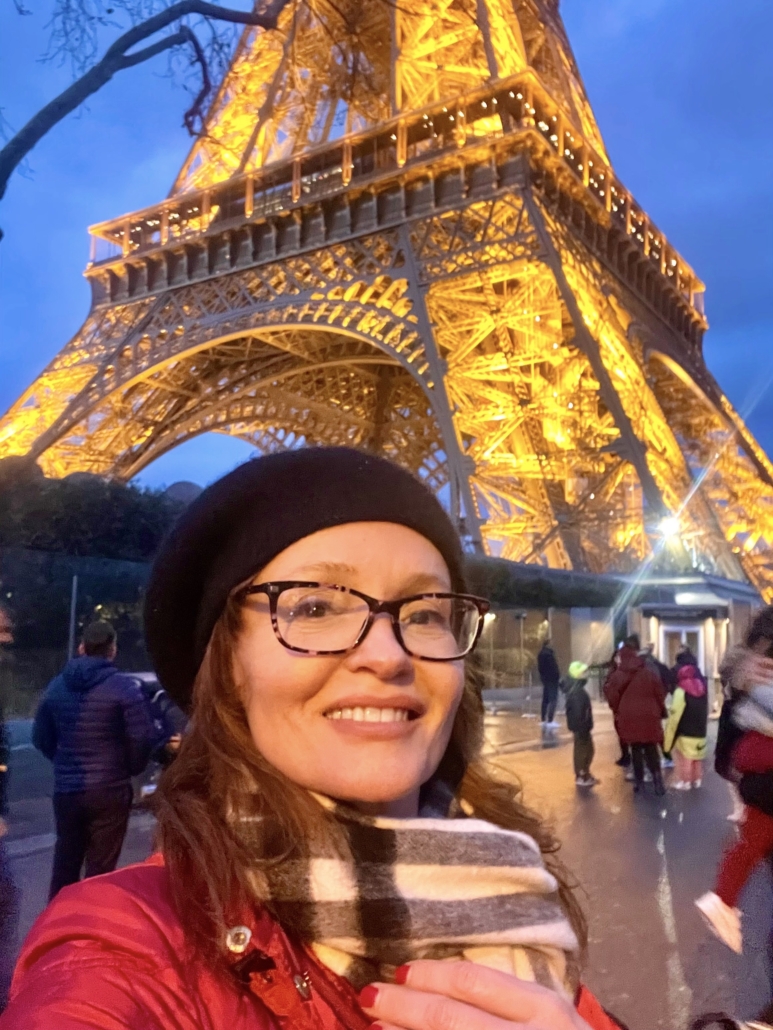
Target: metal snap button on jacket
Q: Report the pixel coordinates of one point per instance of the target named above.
(237, 939)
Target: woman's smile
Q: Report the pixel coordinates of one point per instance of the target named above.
(375, 717)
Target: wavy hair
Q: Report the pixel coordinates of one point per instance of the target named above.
(225, 813)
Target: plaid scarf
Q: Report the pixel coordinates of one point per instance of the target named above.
(432, 887)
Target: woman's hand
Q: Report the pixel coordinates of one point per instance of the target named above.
(463, 996)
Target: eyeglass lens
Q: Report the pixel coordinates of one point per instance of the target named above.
(329, 619)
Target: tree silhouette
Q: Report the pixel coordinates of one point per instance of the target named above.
(196, 34)
(81, 514)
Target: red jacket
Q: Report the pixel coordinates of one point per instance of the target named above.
(637, 697)
(753, 753)
(109, 954)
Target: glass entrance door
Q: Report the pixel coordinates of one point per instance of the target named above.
(674, 638)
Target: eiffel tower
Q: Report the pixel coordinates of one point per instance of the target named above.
(401, 231)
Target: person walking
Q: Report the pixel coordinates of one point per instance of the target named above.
(579, 722)
(686, 728)
(94, 725)
(668, 681)
(309, 610)
(637, 698)
(624, 761)
(550, 677)
(745, 753)
(9, 892)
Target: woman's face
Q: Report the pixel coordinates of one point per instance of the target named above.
(301, 708)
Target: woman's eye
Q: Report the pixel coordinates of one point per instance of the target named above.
(425, 617)
(311, 609)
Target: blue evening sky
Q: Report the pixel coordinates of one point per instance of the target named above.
(682, 91)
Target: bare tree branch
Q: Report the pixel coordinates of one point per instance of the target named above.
(177, 39)
(193, 119)
(117, 59)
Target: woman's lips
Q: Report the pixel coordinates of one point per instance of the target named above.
(375, 721)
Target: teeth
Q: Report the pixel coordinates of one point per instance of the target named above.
(370, 714)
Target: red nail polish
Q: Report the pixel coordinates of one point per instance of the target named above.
(401, 974)
(367, 996)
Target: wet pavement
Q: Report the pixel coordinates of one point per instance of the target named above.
(641, 861)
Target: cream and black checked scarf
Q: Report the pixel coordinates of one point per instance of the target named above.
(432, 887)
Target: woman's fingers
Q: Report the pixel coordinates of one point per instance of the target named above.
(451, 995)
(410, 1009)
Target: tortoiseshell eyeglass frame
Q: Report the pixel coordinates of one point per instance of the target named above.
(376, 607)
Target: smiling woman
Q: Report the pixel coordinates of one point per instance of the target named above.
(328, 827)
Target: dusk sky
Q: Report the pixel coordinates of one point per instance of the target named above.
(682, 91)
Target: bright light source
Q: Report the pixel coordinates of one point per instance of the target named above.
(488, 618)
(669, 527)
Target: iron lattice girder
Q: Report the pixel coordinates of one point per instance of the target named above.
(437, 182)
(332, 70)
(509, 364)
(514, 321)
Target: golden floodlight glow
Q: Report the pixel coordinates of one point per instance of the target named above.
(411, 241)
(670, 527)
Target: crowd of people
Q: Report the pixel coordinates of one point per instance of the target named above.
(661, 720)
(333, 851)
(660, 714)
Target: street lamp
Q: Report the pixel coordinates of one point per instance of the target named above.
(669, 527)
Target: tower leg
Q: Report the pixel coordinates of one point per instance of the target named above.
(458, 464)
(635, 450)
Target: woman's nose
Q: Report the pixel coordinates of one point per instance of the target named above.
(380, 650)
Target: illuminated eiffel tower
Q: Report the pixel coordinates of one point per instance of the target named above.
(401, 231)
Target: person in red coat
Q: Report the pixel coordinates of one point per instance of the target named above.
(637, 698)
(333, 853)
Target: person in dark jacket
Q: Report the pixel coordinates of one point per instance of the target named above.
(668, 680)
(637, 699)
(579, 722)
(550, 677)
(94, 725)
(667, 677)
(170, 722)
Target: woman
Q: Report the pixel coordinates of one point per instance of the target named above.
(326, 832)
(637, 699)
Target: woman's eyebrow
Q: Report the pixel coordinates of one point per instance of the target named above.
(327, 571)
(426, 581)
(333, 572)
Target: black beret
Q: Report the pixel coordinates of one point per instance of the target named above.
(239, 523)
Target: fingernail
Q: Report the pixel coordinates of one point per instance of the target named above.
(367, 996)
(401, 974)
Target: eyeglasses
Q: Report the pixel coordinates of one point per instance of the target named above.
(321, 619)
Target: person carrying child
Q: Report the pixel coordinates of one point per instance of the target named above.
(752, 760)
(579, 721)
(686, 727)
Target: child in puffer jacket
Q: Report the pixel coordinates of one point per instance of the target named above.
(753, 714)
